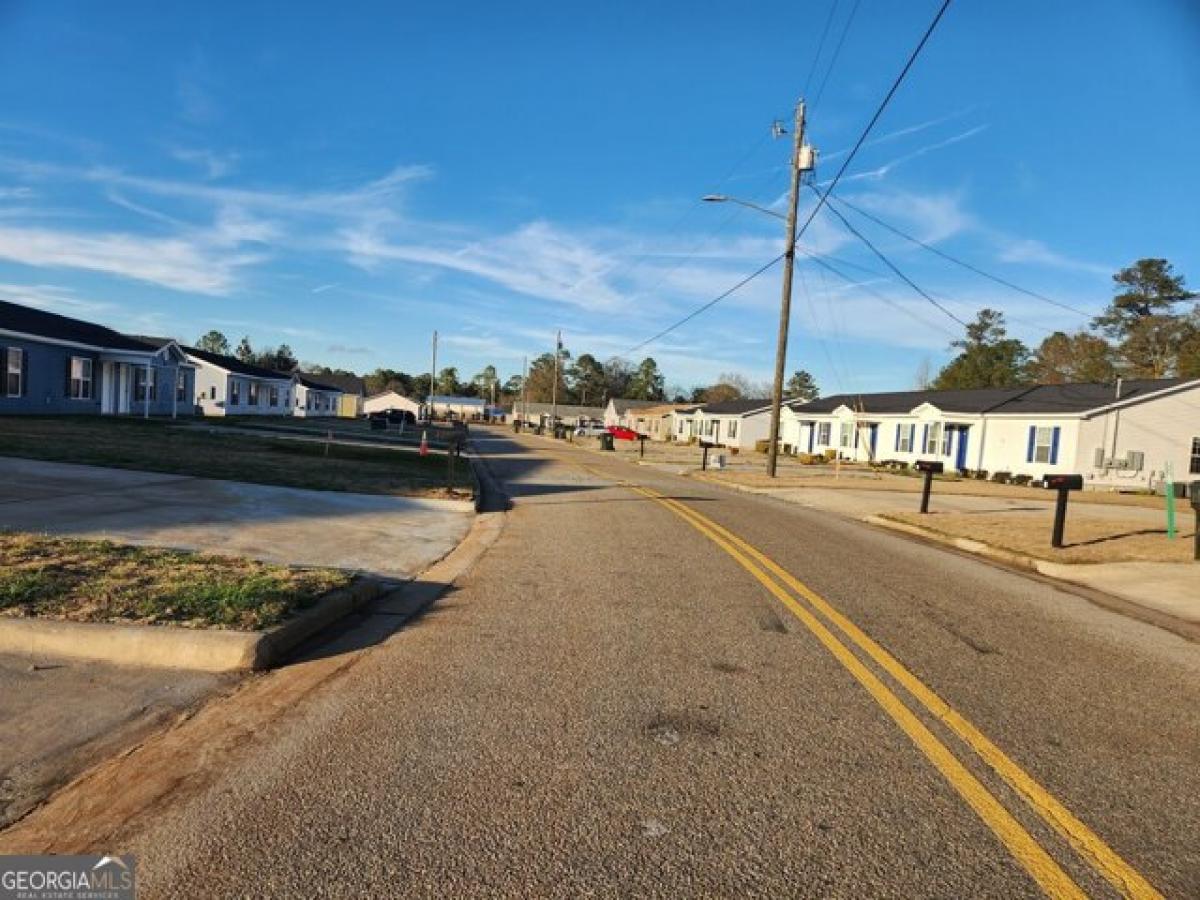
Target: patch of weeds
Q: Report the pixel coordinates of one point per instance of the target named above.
(23, 587)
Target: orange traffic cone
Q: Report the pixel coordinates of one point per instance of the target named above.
(424, 444)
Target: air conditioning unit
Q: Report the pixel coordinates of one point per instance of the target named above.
(1099, 459)
(1135, 460)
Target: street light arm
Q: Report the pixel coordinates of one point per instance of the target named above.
(722, 198)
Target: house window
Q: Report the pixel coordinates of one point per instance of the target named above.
(81, 378)
(180, 385)
(904, 438)
(732, 428)
(212, 392)
(1194, 467)
(933, 438)
(845, 431)
(273, 395)
(1043, 439)
(13, 372)
(823, 431)
(947, 435)
(143, 386)
(235, 392)
(253, 393)
(681, 423)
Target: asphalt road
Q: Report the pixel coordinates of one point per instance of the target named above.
(623, 700)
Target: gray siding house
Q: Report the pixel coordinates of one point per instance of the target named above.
(52, 364)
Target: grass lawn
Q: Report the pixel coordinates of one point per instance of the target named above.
(157, 446)
(1090, 539)
(98, 581)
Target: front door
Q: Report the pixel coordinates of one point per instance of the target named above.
(122, 384)
(960, 460)
(108, 388)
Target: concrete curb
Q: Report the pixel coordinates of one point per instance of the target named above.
(1019, 560)
(166, 646)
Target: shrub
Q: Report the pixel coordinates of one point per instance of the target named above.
(981, 474)
(1001, 477)
(1022, 479)
(830, 454)
(761, 446)
(733, 451)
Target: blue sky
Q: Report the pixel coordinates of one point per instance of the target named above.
(348, 181)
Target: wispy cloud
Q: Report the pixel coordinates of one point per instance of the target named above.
(169, 262)
(53, 298)
(880, 172)
(212, 163)
(1025, 250)
(322, 288)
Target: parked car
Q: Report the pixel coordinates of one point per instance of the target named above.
(590, 430)
(621, 433)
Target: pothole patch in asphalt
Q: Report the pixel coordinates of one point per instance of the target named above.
(653, 828)
(669, 729)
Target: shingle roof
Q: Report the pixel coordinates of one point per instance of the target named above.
(347, 383)
(621, 405)
(734, 407)
(235, 365)
(39, 323)
(315, 382)
(1045, 399)
(564, 409)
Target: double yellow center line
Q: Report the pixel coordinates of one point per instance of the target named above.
(814, 612)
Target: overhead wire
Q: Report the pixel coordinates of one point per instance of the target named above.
(887, 262)
(812, 69)
(958, 262)
(912, 58)
(836, 53)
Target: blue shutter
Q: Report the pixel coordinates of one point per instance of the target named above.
(812, 433)
(1054, 445)
(897, 447)
(1032, 442)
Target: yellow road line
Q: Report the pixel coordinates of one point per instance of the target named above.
(1086, 842)
(1036, 861)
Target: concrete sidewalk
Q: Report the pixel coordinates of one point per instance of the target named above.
(389, 537)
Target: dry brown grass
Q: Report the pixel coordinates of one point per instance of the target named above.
(1088, 539)
(98, 581)
(860, 479)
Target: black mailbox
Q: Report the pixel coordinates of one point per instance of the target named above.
(1063, 482)
(928, 465)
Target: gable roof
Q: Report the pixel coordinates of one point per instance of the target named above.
(346, 382)
(1041, 399)
(735, 407)
(315, 382)
(40, 323)
(235, 365)
(621, 405)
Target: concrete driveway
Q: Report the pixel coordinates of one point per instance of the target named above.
(390, 537)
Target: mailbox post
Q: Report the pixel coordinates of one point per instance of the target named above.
(1064, 484)
(1194, 496)
(930, 468)
(704, 462)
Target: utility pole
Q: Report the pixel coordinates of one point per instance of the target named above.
(554, 385)
(432, 376)
(801, 162)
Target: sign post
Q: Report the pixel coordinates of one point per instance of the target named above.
(1064, 484)
(930, 468)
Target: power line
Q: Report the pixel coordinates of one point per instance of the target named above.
(887, 262)
(836, 53)
(849, 279)
(957, 261)
(878, 112)
(820, 45)
(845, 164)
(707, 306)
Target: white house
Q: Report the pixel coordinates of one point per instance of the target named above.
(314, 397)
(572, 416)
(619, 411)
(465, 408)
(729, 423)
(389, 401)
(1116, 436)
(226, 386)
(657, 421)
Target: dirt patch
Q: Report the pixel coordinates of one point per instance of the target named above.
(1088, 539)
(99, 581)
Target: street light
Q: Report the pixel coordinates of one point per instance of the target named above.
(803, 160)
